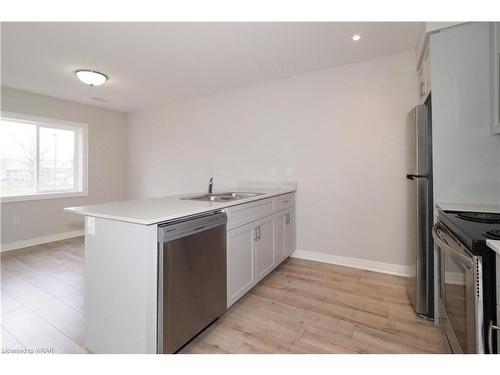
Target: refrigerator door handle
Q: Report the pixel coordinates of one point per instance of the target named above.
(414, 176)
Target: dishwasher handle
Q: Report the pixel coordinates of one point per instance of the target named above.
(190, 225)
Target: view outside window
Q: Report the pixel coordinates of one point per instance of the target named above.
(56, 162)
(17, 158)
(36, 159)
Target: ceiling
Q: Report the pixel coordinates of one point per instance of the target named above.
(149, 64)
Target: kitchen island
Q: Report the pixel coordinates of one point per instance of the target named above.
(121, 258)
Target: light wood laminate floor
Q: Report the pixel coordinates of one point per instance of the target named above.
(301, 307)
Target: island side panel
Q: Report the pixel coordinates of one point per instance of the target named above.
(120, 286)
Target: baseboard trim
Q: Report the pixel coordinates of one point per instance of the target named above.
(369, 265)
(40, 240)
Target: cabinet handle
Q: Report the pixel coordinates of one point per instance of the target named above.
(286, 201)
(256, 235)
(287, 218)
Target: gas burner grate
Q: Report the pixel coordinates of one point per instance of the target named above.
(480, 217)
(493, 234)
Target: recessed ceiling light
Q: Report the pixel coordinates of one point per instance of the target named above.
(356, 37)
(91, 77)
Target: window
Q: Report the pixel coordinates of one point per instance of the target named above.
(41, 158)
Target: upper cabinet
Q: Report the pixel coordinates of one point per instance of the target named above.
(495, 77)
(423, 55)
(424, 77)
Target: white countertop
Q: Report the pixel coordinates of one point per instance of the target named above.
(464, 207)
(495, 245)
(156, 210)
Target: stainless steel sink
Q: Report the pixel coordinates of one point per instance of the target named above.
(222, 197)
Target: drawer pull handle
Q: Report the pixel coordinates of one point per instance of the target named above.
(286, 201)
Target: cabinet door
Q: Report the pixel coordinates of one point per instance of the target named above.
(279, 236)
(240, 262)
(264, 247)
(289, 231)
(424, 77)
(427, 74)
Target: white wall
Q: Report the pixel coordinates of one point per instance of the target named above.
(466, 155)
(341, 130)
(106, 165)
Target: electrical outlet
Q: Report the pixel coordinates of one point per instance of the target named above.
(274, 172)
(289, 172)
(17, 220)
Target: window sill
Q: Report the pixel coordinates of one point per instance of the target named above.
(38, 196)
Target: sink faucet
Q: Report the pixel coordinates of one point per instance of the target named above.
(210, 185)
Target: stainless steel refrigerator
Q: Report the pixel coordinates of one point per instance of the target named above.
(420, 203)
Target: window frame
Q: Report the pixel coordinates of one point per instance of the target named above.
(81, 151)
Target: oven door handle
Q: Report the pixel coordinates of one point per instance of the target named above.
(448, 248)
(491, 328)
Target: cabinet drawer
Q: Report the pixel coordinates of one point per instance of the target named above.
(284, 201)
(246, 213)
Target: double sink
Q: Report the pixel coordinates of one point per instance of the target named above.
(222, 197)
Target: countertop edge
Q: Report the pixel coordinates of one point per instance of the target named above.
(81, 210)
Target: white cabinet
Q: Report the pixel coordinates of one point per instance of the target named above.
(240, 261)
(284, 234)
(250, 256)
(289, 231)
(257, 244)
(279, 236)
(424, 77)
(495, 77)
(246, 213)
(264, 247)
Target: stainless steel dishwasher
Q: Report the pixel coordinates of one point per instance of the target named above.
(191, 278)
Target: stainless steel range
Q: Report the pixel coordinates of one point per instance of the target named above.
(467, 279)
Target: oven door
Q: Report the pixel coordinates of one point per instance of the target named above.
(460, 293)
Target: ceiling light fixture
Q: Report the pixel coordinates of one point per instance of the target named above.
(91, 77)
(356, 37)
